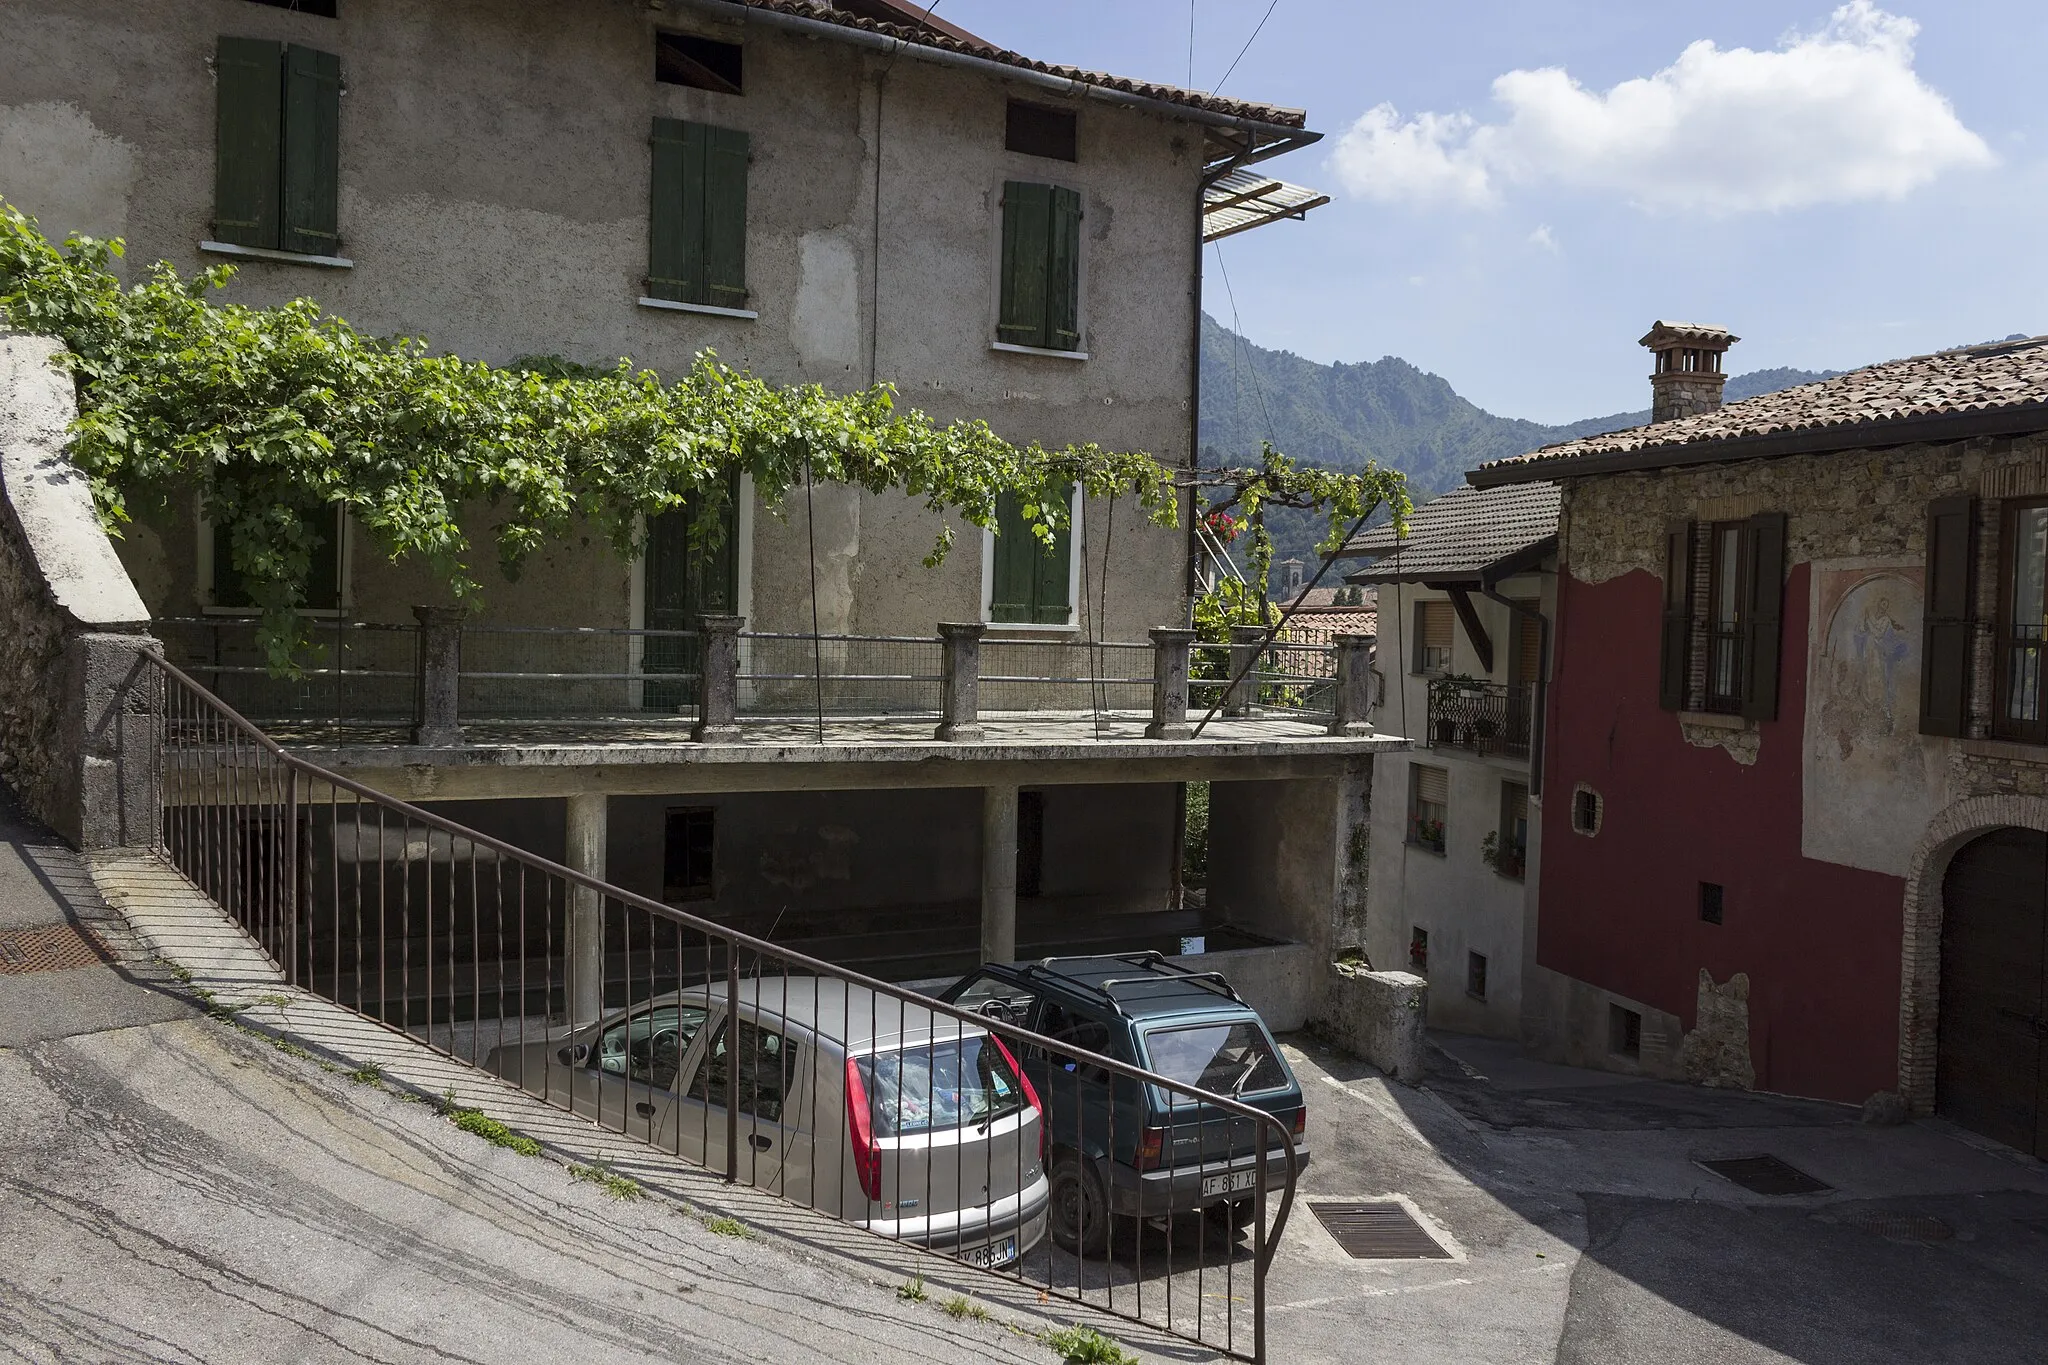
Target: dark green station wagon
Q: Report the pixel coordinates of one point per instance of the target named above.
(1121, 1149)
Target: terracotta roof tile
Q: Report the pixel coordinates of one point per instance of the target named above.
(1456, 534)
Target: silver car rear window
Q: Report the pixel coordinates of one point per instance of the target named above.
(1229, 1059)
(940, 1085)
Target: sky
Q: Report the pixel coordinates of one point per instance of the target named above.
(1520, 187)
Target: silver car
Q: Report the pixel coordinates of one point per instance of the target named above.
(909, 1123)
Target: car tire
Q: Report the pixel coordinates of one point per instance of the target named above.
(1232, 1216)
(1079, 1212)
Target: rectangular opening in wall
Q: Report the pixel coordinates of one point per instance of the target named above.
(321, 9)
(1586, 811)
(1030, 843)
(326, 532)
(1511, 842)
(1624, 1032)
(1036, 130)
(1432, 637)
(1429, 796)
(700, 63)
(1710, 902)
(1418, 951)
(689, 844)
(1475, 975)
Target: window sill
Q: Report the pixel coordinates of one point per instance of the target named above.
(263, 253)
(2021, 750)
(998, 629)
(1014, 349)
(677, 306)
(1718, 720)
(1427, 848)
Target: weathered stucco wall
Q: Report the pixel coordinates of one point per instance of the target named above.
(494, 200)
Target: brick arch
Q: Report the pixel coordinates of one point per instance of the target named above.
(1920, 954)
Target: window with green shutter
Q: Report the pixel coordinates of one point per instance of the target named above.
(1030, 581)
(277, 147)
(325, 526)
(697, 217)
(1041, 271)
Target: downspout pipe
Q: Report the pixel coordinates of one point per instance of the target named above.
(1490, 579)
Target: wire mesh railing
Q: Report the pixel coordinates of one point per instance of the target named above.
(962, 1133)
(789, 674)
(347, 672)
(1065, 675)
(590, 674)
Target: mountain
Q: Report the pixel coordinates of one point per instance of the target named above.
(1340, 415)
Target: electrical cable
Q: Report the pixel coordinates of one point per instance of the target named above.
(1247, 44)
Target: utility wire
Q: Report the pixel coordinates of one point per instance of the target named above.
(1248, 44)
(1191, 44)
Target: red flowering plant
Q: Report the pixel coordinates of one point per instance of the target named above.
(1221, 525)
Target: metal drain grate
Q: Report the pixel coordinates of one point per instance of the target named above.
(48, 948)
(1379, 1231)
(1765, 1175)
(1917, 1227)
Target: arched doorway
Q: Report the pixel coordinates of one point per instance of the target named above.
(1991, 1073)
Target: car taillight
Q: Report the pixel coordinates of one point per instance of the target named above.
(1030, 1096)
(867, 1158)
(1301, 1120)
(1151, 1148)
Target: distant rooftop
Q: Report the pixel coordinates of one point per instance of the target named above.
(1455, 536)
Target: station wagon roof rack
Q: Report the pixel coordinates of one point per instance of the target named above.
(1152, 958)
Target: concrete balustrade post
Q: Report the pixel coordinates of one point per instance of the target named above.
(587, 832)
(718, 682)
(1351, 696)
(438, 673)
(1171, 646)
(1244, 656)
(960, 681)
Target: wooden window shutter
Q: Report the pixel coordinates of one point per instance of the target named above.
(1528, 656)
(1052, 576)
(1016, 560)
(725, 217)
(310, 211)
(1027, 233)
(1675, 641)
(1763, 580)
(1432, 631)
(1947, 625)
(1432, 785)
(248, 138)
(1063, 273)
(675, 241)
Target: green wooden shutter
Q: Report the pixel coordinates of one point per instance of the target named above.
(310, 214)
(675, 252)
(1016, 561)
(1051, 577)
(725, 217)
(715, 554)
(1027, 232)
(248, 132)
(1763, 614)
(1674, 646)
(1063, 273)
(1947, 625)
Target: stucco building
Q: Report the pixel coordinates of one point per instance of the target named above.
(842, 193)
(1465, 596)
(1798, 798)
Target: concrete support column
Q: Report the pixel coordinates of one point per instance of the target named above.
(960, 681)
(587, 819)
(112, 701)
(718, 685)
(1351, 697)
(999, 873)
(437, 696)
(1170, 648)
(1244, 657)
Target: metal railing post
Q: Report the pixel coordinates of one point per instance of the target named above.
(1171, 646)
(960, 681)
(1351, 696)
(1245, 644)
(438, 695)
(718, 682)
(732, 1062)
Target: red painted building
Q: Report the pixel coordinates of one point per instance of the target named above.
(1795, 779)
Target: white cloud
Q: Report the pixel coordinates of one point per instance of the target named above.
(1542, 237)
(1830, 116)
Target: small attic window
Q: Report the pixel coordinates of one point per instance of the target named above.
(323, 9)
(700, 63)
(1036, 130)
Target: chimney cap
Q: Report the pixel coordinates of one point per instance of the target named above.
(1662, 334)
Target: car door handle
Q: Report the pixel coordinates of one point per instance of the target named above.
(644, 1109)
(760, 1142)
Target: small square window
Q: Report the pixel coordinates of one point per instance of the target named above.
(688, 847)
(1418, 951)
(321, 9)
(700, 63)
(1037, 130)
(1586, 811)
(1475, 975)
(1624, 1032)
(1710, 902)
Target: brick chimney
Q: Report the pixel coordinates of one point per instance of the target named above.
(1687, 378)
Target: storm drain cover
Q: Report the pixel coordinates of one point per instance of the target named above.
(1917, 1227)
(47, 948)
(1380, 1231)
(1766, 1175)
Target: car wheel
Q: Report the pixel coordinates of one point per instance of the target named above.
(1080, 1211)
(1232, 1216)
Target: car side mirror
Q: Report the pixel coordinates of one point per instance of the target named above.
(574, 1054)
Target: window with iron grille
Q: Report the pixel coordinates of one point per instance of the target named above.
(2022, 622)
(1475, 975)
(1624, 1031)
(1429, 801)
(1724, 588)
(1432, 637)
(689, 846)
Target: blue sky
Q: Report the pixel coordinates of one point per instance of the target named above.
(1522, 186)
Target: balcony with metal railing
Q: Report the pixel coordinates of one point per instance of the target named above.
(1487, 719)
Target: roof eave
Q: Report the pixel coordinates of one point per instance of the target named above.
(2014, 420)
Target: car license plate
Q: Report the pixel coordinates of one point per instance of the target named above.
(1228, 1184)
(992, 1255)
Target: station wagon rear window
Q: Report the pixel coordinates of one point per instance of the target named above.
(1230, 1059)
(945, 1085)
